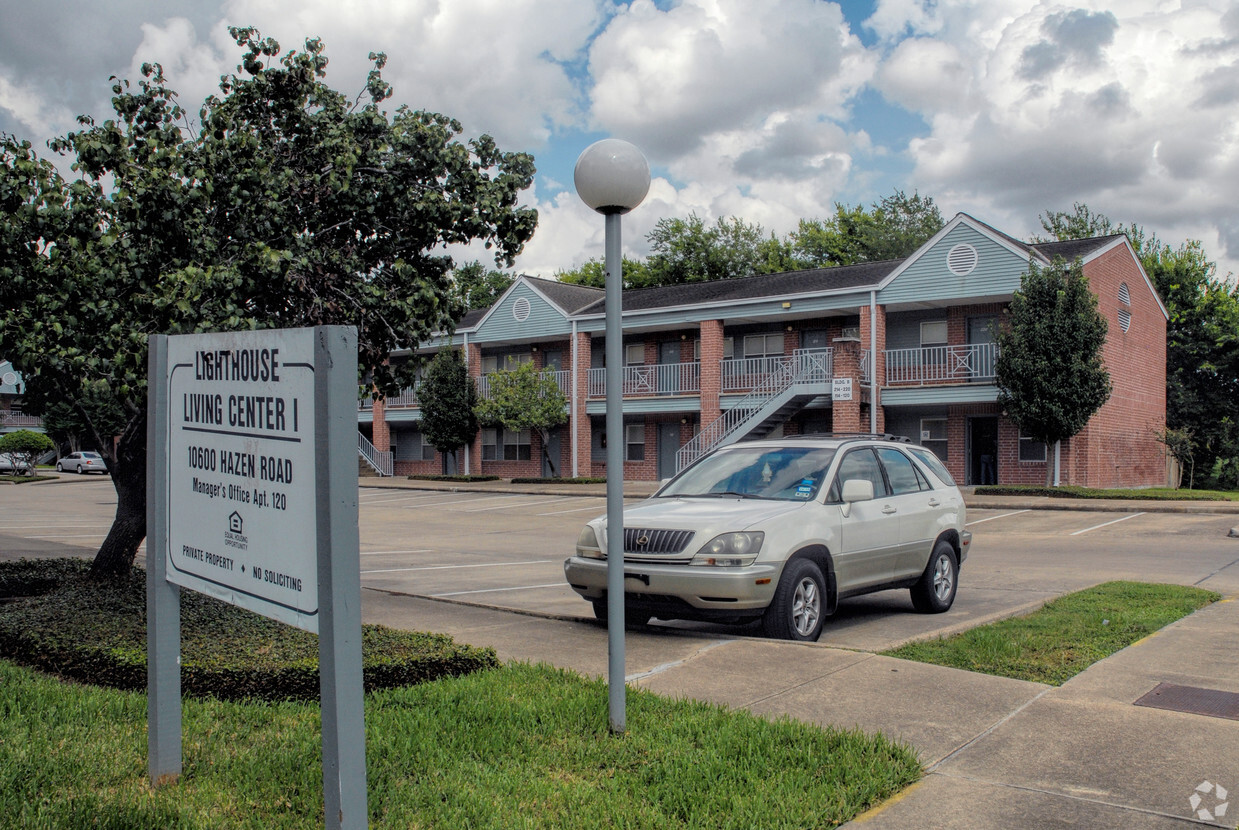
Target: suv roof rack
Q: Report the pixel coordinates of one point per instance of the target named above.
(851, 436)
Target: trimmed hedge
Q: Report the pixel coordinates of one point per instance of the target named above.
(55, 619)
(1071, 491)
(556, 480)
(464, 479)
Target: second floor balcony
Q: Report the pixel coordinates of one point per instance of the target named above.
(941, 365)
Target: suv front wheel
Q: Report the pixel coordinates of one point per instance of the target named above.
(798, 609)
(935, 592)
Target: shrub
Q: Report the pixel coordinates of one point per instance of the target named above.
(94, 632)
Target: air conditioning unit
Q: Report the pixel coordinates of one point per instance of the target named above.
(851, 331)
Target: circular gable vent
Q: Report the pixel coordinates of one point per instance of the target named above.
(10, 379)
(962, 259)
(520, 309)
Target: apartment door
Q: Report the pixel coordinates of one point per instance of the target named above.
(982, 450)
(552, 450)
(981, 333)
(668, 378)
(668, 445)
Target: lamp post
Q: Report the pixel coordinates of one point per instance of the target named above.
(612, 177)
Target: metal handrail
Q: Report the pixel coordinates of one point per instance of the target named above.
(382, 462)
(941, 364)
(650, 379)
(802, 367)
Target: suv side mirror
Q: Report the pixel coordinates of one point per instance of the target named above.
(856, 489)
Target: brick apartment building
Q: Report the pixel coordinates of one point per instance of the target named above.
(903, 346)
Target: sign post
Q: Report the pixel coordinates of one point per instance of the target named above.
(254, 502)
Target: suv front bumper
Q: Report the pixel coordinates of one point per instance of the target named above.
(710, 590)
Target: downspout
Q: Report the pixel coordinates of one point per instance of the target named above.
(873, 361)
(572, 416)
(1058, 457)
(464, 335)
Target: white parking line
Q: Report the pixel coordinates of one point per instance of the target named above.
(1001, 516)
(394, 552)
(457, 501)
(595, 508)
(1107, 524)
(71, 536)
(421, 497)
(459, 567)
(496, 590)
(522, 504)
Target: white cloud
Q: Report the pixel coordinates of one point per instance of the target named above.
(28, 106)
(1130, 111)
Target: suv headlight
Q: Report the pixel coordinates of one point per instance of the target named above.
(587, 546)
(730, 550)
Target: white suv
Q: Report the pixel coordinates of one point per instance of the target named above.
(780, 530)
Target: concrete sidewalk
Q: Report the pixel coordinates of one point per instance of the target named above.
(999, 752)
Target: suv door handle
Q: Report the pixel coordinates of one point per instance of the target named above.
(888, 509)
(934, 502)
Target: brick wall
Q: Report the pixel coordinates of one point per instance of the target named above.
(1121, 449)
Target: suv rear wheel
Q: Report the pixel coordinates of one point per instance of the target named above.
(798, 609)
(935, 592)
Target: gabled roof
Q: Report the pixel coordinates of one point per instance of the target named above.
(1071, 249)
(571, 298)
(860, 277)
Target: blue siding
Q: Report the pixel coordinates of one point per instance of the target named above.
(544, 320)
(927, 395)
(927, 279)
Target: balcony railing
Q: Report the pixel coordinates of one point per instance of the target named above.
(9, 418)
(941, 364)
(745, 374)
(407, 398)
(563, 378)
(654, 379)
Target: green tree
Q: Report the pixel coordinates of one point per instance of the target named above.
(1049, 371)
(25, 446)
(689, 250)
(892, 228)
(525, 398)
(89, 421)
(290, 205)
(478, 286)
(448, 399)
(593, 273)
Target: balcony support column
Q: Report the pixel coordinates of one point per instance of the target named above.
(473, 452)
(578, 423)
(873, 336)
(711, 370)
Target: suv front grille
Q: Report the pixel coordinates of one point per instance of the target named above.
(647, 542)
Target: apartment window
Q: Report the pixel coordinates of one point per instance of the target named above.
(634, 354)
(763, 345)
(933, 436)
(411, 445)
(493, 363)
(634, 442)
(933, 333)
(490, 440)
(1031, 450)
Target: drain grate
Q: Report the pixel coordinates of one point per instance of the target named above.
(1193, 700)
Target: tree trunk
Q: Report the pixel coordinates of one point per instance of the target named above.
(115, 557)
(546, 439)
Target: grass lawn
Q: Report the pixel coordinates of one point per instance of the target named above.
(1066, 635)
(519, 746)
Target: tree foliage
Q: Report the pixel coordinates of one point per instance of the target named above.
(691, 250)
(448, 399)
(1202, 337)
(478, 286)
(525, 398)
(289, 205)
(25, 446)
(1049, 371)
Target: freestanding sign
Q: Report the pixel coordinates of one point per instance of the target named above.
(241, 471)
(252, 499)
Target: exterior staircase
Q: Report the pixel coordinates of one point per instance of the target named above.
(794, 382)
(382, 463)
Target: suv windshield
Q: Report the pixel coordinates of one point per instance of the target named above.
(782, 473)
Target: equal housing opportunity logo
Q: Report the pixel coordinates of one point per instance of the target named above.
(234, 536)
(1208, 801)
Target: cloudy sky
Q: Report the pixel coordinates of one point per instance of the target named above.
(770, 110)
